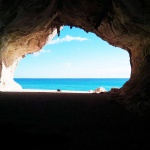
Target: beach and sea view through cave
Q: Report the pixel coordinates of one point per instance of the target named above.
(74, 61)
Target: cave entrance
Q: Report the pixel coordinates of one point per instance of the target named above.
(78, 55)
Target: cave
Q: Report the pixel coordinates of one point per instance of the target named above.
(25, 27)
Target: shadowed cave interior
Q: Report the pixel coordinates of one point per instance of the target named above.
(118, 119)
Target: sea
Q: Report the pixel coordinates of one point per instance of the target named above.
(70, 84)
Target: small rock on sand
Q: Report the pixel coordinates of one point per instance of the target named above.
(99, 90)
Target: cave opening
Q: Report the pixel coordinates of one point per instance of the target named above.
(25, 28)
(74, 54)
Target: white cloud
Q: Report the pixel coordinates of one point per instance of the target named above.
(67, 65)
(41, 51)
(67, 38)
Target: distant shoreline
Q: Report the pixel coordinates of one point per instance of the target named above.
(46, 91)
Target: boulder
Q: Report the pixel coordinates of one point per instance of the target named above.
(99, 90)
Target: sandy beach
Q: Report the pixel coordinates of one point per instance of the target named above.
(47, 91)
(56, 120)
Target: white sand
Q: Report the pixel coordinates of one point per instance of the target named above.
(50, 91)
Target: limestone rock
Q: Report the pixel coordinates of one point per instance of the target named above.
(99, 90)
(7, 83)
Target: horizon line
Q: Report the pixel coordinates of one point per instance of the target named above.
(72, 78)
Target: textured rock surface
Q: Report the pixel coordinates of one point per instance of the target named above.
(25, 26)
(7, 82)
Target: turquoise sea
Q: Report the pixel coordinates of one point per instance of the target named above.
(73, 84)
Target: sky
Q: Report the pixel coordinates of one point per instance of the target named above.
(75, 54)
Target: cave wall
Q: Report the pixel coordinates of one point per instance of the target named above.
(23, 31)
(26, 25)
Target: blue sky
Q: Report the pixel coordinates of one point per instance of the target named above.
(75, 54)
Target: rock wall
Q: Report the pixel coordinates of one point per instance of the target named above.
(25, 26)
(23, 31)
